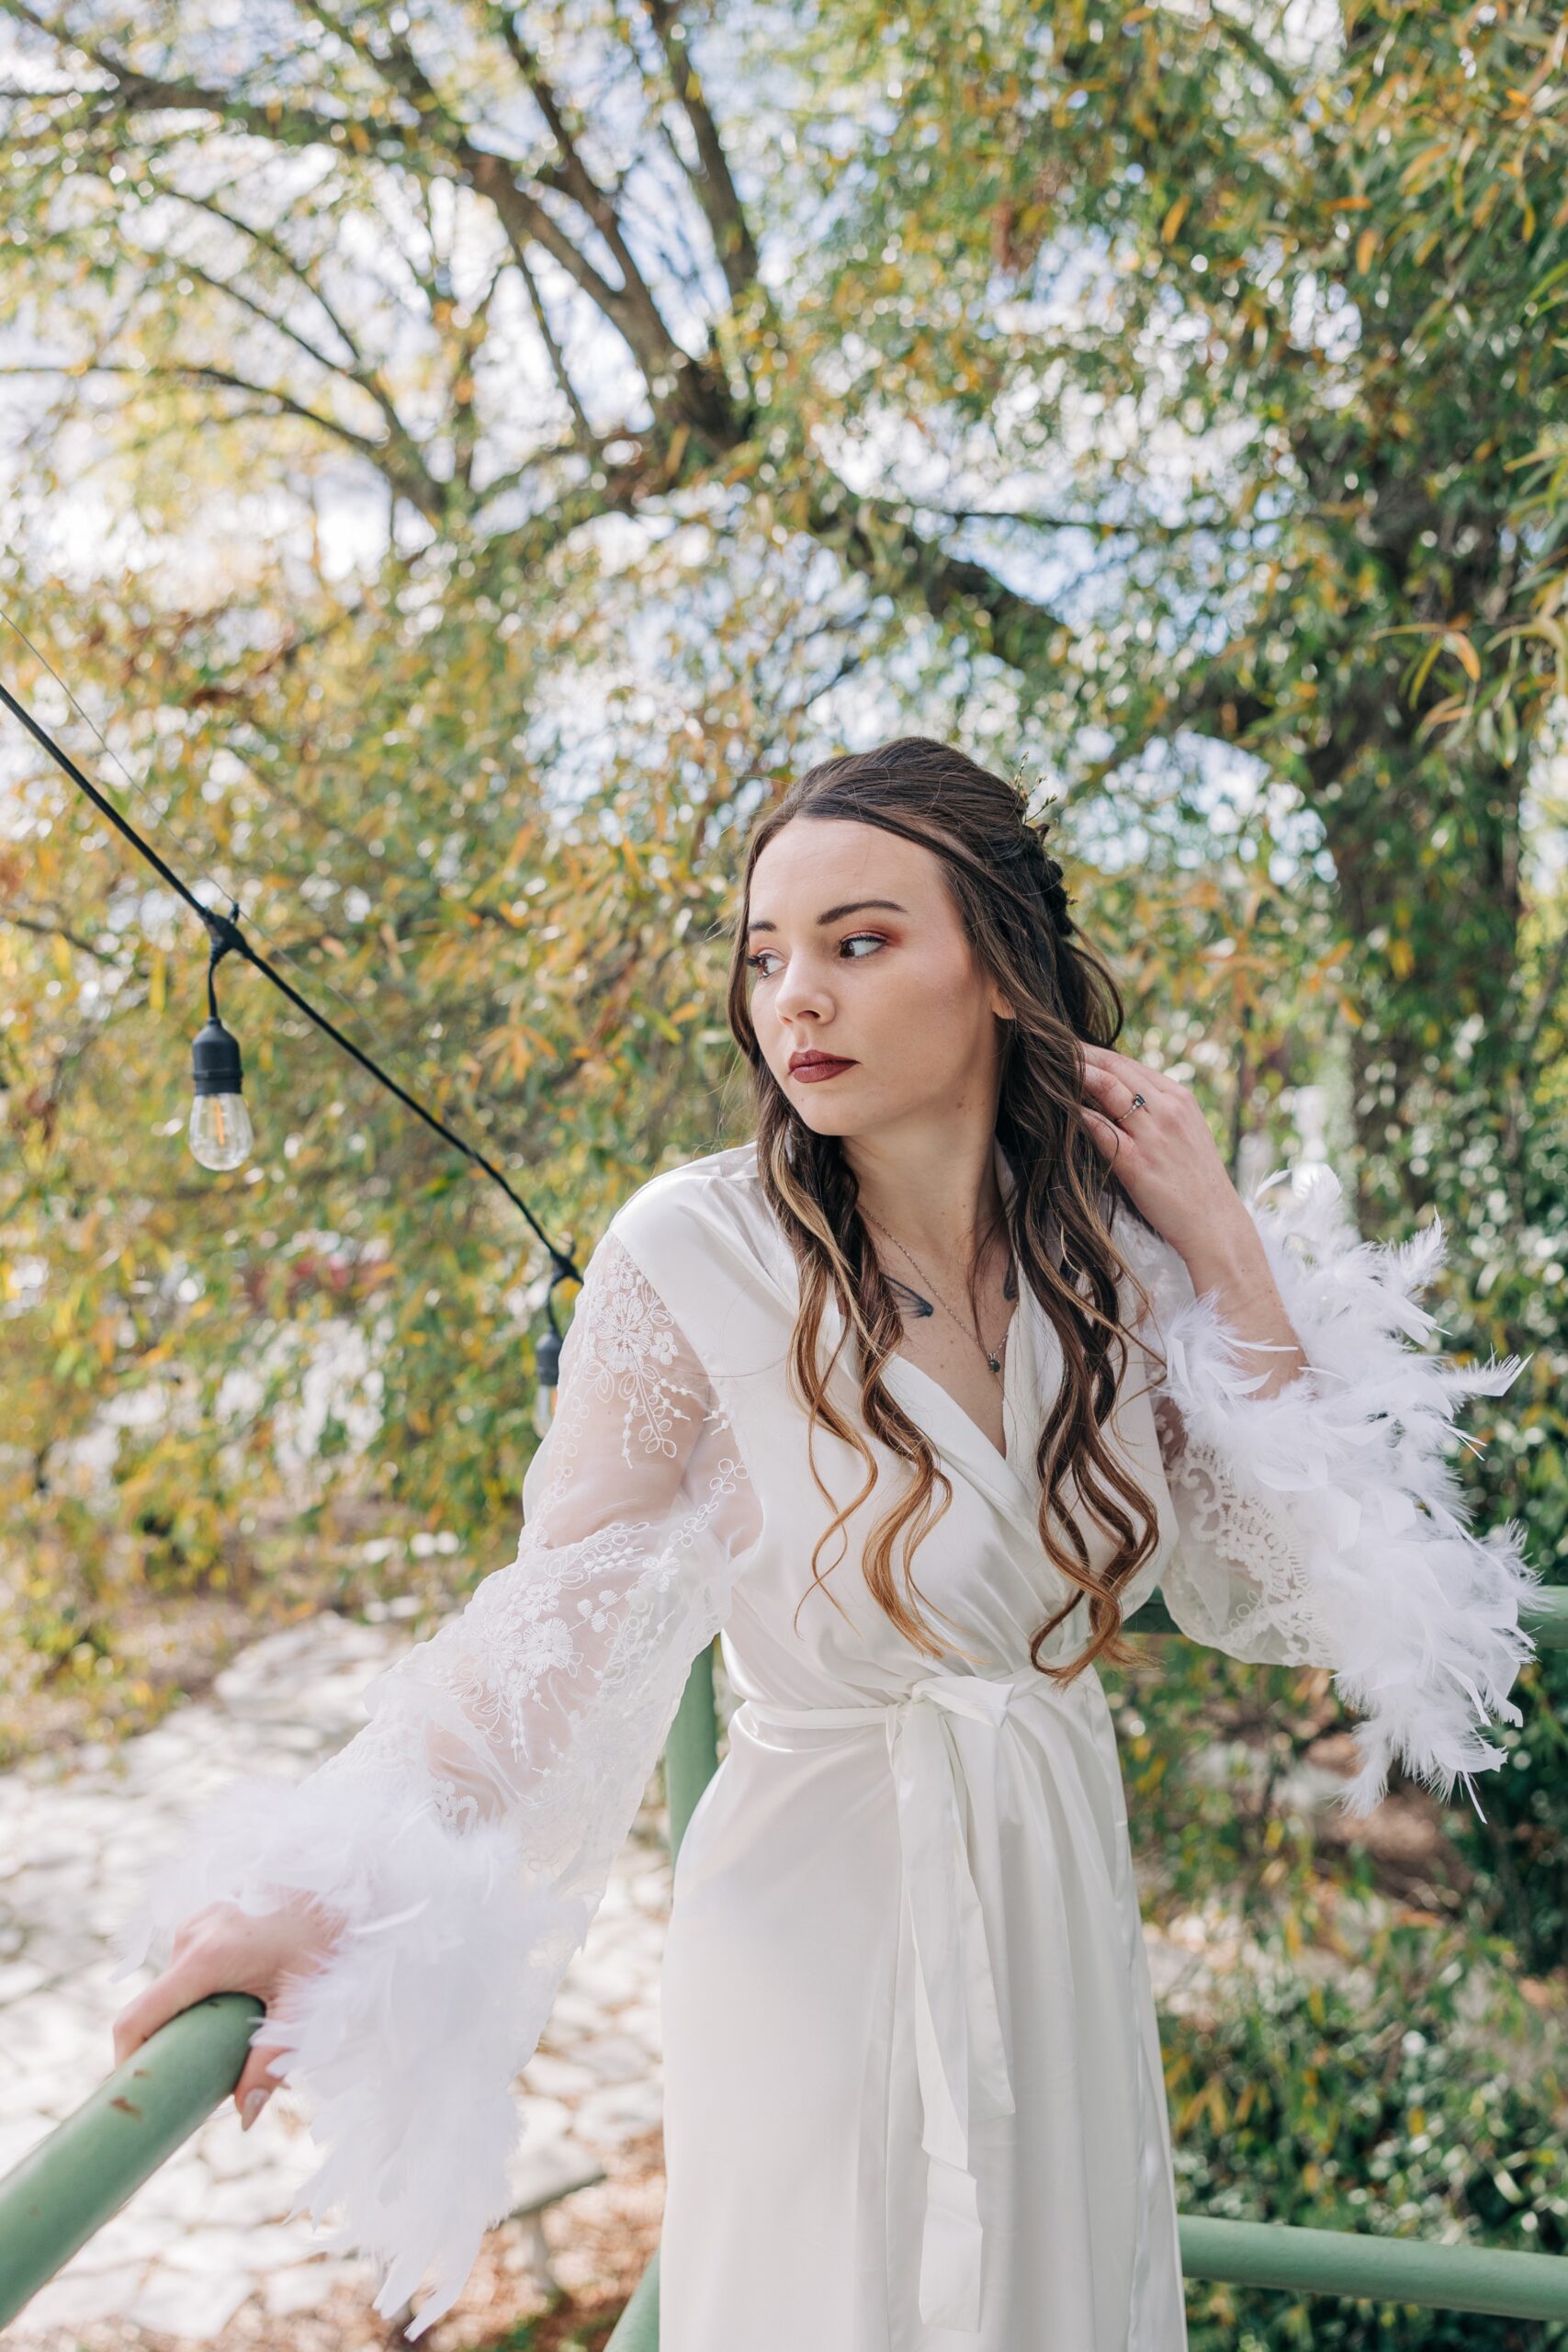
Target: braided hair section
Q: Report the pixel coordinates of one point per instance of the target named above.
(1029, 844)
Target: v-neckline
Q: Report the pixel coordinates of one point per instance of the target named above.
(1003, 1452)
(953, 1431)
(957, 1435)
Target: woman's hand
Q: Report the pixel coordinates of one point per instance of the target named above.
(224, 1949)
(1164, 1154)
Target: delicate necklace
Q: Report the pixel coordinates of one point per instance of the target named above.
(994, 1358)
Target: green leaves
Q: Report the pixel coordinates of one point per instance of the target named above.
(1412, 2093)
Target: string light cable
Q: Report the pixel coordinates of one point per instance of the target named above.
(216, 1055)
(197, 863)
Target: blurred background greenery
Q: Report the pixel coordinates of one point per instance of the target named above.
(465, 461)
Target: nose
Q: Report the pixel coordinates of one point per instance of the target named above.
(802, 994)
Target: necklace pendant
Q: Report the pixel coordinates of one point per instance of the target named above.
(995, 1362)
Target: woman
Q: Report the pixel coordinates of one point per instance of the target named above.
(915, 1397)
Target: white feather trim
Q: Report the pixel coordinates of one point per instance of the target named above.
(1419, 1616)
(438, 1989)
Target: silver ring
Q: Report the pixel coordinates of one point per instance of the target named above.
(1137, 1103)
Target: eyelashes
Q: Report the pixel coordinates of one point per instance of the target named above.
(754, 962)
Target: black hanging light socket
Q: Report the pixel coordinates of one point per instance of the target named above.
(547, 1377)
(215, 1059)
(219, 1133)
(547, 1348)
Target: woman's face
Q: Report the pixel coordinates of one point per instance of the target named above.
(856, 951)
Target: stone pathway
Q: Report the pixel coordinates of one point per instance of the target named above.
(206, 2235)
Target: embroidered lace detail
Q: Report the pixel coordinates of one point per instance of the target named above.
(465, 1835)
(629, 1351)
(540, 1696)
(1267, 1600)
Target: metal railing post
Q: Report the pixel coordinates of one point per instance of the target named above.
(1503, 2284)
(691, 1753)
(75, 2181)
(691, 1760)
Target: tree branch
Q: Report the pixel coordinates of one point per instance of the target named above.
(410, 453)
(575, 177)
(630, 305)
(584, 431)
(268, 241)
(436, 145)
(421, 490)
(278, 123)
(55, 930)
(713, 182)
(878, 538)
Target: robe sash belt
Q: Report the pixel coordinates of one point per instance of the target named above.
(961, 2055)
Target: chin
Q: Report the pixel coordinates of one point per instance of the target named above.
(821, 1125)
(822, 1118)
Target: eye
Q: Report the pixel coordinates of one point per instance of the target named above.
(854, 938)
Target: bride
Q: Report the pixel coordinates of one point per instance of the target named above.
(911, 1399)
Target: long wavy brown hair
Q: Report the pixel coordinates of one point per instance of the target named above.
(1015, 910)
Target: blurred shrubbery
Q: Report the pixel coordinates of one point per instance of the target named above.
(1401, 2104)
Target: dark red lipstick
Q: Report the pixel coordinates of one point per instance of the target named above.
(810, 1066)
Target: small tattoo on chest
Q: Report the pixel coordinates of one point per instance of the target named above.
(911, 1303)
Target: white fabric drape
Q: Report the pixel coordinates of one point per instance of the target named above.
(913, 2091)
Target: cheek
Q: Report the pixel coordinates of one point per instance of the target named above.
(923, 1001)
(936, 994)
(771, 1034)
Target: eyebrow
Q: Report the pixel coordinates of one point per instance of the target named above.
(832, 914)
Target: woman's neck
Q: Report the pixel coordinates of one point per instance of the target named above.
(940, 1198)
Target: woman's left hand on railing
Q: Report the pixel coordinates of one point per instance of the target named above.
(225, 1949)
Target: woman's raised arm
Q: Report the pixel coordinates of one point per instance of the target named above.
(1321, 1525)
(412, 1904)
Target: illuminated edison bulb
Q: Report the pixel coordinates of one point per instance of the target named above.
(219, 1133)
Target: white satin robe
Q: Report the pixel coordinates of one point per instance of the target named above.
(913, 2092)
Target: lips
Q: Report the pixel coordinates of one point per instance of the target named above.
(817, 1065)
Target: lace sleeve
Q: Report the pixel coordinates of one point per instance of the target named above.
(1322, 1525)
(466, 1834)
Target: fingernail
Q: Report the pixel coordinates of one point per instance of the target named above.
(255, 2102)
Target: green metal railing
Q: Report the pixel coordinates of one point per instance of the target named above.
(77, 2178)
(90, 2165)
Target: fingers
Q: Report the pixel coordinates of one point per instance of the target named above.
(262, 2073)
(1111, 1139)
(1112, 1094)
(1114, 1117)
(182, 1984)
(251, 2102)
(1106, 1086)
(180, 1987)
(227, 1950)
(264, 2068)
(196, 1969)
(1137, 1077)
